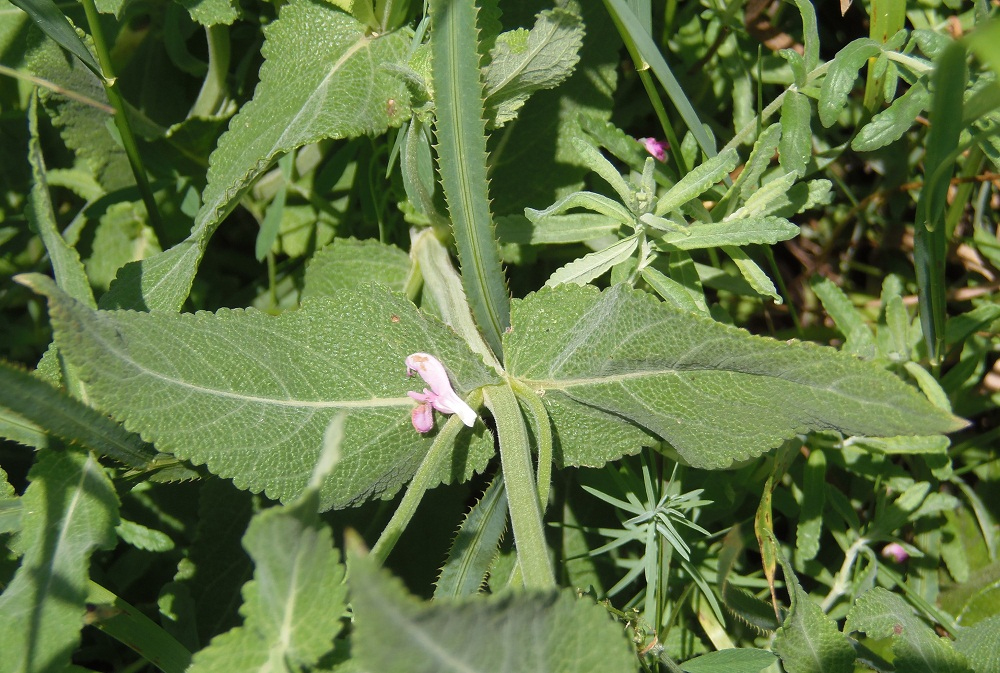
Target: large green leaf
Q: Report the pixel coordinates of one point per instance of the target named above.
(250, 395)
(292, 606)
(550, 632)
(716, 393)
(69, 510)
(918, 649)
(809, 641)
(323, 77)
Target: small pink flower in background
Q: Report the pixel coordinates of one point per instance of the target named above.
(441, 395)
(658, 148)
(896, 552)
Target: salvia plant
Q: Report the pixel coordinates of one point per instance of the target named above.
(345, 335)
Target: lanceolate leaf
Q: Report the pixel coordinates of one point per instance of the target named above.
(716, 393)
(54, 412)
(461, 136)
(322, 78)
(250, 395)
(741, 231)
(69, 510)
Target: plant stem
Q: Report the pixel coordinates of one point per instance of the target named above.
(213, 89)
(426, 477)
(121, 120)
(522, 498)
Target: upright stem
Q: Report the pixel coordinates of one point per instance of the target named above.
(522, 498)
(121, 120)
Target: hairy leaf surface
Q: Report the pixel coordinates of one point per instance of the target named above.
(716, 393)
(552, 632)
(250, 394)
(69, 510)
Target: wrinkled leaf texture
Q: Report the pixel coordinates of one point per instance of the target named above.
(618, 358)
(250, 394)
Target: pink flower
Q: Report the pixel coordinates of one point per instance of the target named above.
(441, 395)
(658, 148)
(896, 552)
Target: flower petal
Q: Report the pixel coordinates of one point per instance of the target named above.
(441, 395)
(422, 417)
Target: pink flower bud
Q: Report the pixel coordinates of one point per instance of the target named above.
(896, 552)
(657, 148)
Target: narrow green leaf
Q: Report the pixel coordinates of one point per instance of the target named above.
(841, 76)
(65, 260)
(523, 62)
(572, 228)
(596, 202)
(507, 633)
(340, 90)
(47, 16)
(795, 150)
(742, 660)
(918, 649)
(900, 445)
(69, 510)
(56, 413)
(752, 273)
(292, 607)
(810, 524)
(930, 238)
(670, 290)
(250, 394)
(475, 546)
(271, 223)
(651, 55)
(594, 264)
(767, 197)
(697, 181)
(759, 161)
(736, 231)
(129, 626)
(716, 393)
(461, 136)
(890, 124)
(596, 162)
(845, 316)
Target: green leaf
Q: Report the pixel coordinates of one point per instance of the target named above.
(475, 546)
(594, 264)
(84, 128)
(525, 61)
(752, 273)
(742, 660)
(810, 524)
(736, 231)
(795, 149)
(930, 238)
(861, 340)
(461, 136)
(841, 76)
(890, 124)
(716, 393)
(66, 265)
(340, 90)
(347, 263)
(69, 510)
(54, 412)
(211, 12)
(47, 16)
(572, 228)
(808, 641)
(697, 181)
(508, 633)
(122, 236)
(917, 648)
(981, 644)
(292, 607)
(250, 394)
